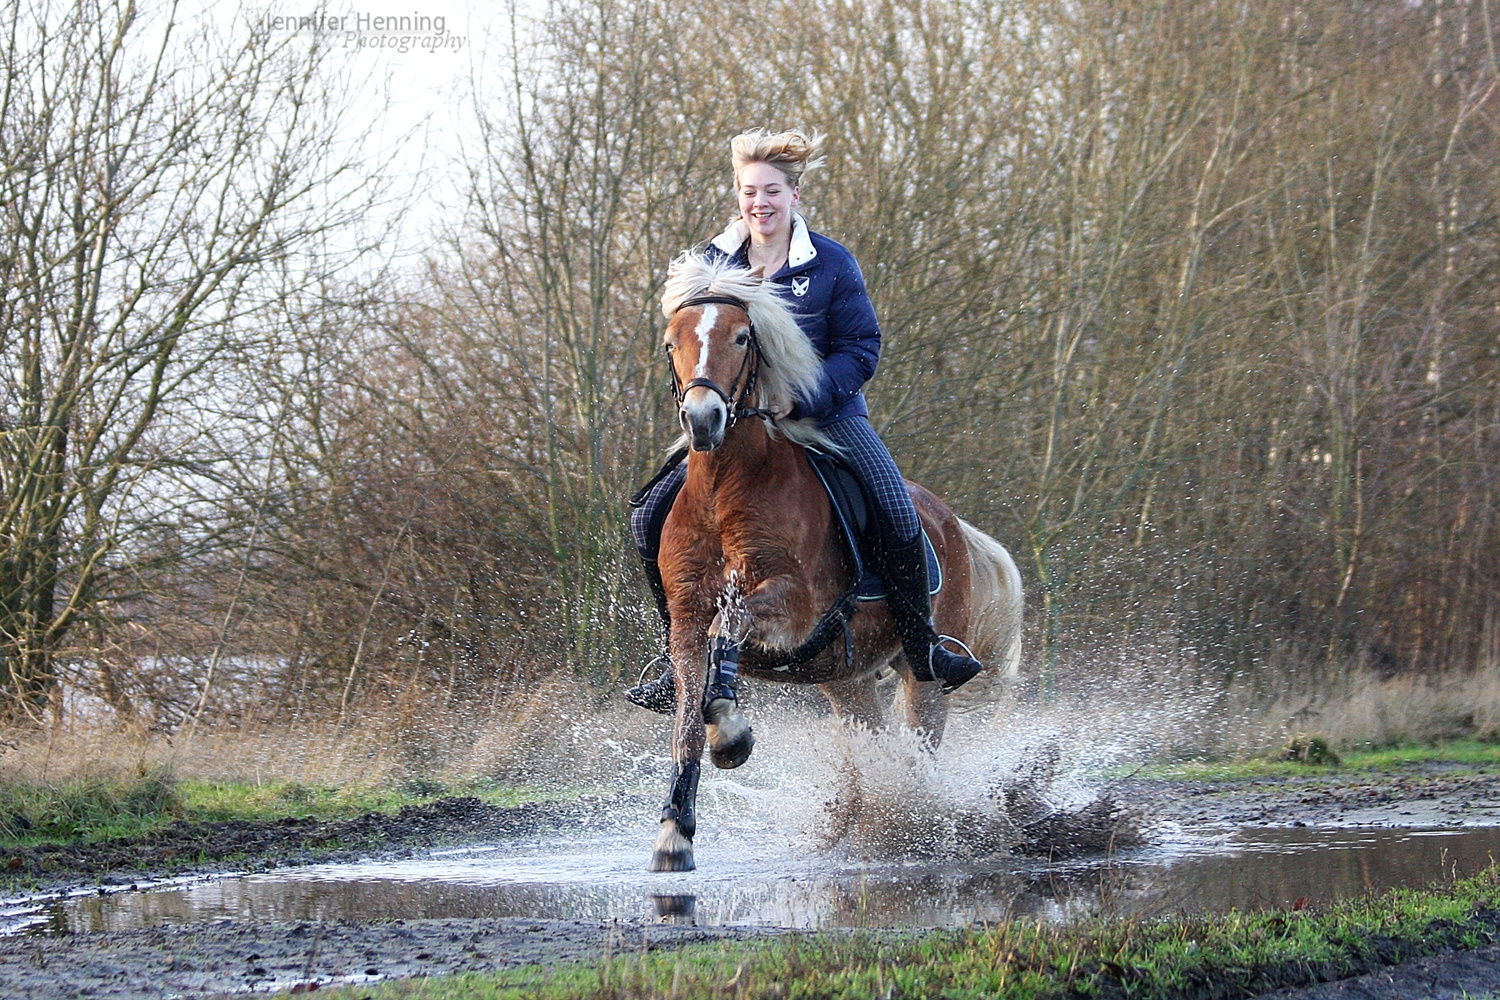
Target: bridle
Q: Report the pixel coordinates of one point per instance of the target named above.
(734, 402)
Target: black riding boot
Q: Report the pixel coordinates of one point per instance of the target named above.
(659, 695)
(905, 573)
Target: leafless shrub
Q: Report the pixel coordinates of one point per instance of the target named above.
(1192, 304)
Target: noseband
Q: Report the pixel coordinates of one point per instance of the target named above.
(734, 402)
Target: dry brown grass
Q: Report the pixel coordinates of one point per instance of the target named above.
(1147, 705)
(1364, 709)
(555, 733)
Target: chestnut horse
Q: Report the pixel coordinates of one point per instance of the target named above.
(751, 555)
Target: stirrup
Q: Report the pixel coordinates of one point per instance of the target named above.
(659, 695)
(961, 669)
(957, 642)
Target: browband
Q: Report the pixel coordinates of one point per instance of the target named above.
(710, 300)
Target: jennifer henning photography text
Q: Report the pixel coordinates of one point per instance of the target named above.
(401, 32)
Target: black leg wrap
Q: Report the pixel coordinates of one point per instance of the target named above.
(730, 738)
(723, 670)
(680, 800)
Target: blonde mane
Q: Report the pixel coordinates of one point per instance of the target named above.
(791, 365)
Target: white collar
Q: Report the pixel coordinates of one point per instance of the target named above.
(800, 252)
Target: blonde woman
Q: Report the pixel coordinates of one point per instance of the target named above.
(823, 284)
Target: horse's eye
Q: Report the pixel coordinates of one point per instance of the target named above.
(742, 340)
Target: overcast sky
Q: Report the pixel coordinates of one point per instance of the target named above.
(413, 67)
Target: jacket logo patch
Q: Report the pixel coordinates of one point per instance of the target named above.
(799, 286)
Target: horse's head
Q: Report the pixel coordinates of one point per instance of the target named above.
(715, 361)
(735, 350)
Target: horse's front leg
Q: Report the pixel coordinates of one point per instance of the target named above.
(679, 818)
(730, 739)
(763, 614)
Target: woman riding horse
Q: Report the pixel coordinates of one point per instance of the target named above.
(823, 285)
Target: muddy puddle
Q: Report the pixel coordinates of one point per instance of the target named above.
(758, 880)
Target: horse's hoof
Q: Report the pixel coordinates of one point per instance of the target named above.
(674, 852)
(730, 738)
(734, 755)
(672, 861)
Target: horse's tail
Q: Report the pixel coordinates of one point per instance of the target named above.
(996, 602)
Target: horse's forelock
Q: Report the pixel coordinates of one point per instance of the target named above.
(793, 362)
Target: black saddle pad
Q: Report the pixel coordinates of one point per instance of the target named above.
(855, 514)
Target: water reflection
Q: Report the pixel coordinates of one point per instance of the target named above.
(768, 883)
(675, 909)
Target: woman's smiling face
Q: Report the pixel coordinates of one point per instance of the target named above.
(766, 199)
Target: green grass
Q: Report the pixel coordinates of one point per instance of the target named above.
(1237, 954)
(1466, 752)
(90, 807)
(98, 807)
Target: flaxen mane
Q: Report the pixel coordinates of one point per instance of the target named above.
(792, 366)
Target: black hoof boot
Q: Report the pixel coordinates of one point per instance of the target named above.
(953, 670)
(659, 695)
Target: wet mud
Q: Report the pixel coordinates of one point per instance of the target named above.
(1422, 795)
(224, 956)
(232, 957)
(184, 848)
(1451, 975)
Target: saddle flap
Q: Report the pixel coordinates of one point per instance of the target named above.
(854, 513)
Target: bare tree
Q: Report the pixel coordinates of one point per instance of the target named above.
(153, 175)
(1191, 303)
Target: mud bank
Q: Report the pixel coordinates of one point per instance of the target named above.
(1425, 795)
(1450, 975)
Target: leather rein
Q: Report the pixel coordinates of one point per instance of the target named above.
(736, 402)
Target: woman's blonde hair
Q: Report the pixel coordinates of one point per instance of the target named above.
(792, 152)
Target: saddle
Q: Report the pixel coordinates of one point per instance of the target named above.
(855, 515)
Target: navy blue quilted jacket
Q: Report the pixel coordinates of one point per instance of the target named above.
(826, 291)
